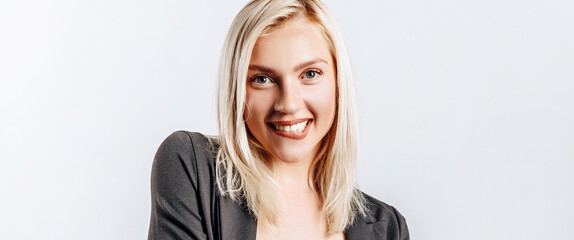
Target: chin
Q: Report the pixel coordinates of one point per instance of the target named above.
(293, 155)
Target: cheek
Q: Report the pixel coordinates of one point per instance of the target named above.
(256, 105)
(248, 112)
(250, 117)
(323, 99)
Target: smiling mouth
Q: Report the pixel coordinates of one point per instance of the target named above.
(291, 130)
(298, 127)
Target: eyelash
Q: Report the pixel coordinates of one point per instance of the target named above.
(254, 78)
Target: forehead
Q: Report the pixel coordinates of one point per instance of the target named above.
(294, 26)
(292, 41)
(283, 25)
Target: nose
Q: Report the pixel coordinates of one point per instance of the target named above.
(289, 99)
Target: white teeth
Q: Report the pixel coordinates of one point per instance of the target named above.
(299, 127)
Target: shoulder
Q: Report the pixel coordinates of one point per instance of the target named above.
(185, 145)
(184, 153)
(182, 187)
(378, 210)
(184, 140)
(382, 221)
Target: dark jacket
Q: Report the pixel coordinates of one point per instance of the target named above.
(186, 204)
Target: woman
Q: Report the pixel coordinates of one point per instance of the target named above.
(284, 164)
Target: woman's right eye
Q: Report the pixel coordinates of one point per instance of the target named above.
(261, 80)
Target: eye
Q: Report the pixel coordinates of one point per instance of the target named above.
(260, 80)
(311, 74)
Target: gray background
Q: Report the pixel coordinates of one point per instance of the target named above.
(467, 123)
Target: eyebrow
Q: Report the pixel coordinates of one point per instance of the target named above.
(295, 69)
(262, 69)
(308, 63)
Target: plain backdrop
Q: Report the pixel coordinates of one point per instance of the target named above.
(466, 111)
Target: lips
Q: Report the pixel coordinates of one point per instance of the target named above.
(296, 129)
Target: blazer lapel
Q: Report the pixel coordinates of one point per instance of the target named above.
(362, 229)
(235, 221)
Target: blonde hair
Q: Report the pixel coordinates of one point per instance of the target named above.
(241, 170)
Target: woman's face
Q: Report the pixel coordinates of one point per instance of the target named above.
(291, 91)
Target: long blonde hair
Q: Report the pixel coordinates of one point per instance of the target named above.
(241, 170)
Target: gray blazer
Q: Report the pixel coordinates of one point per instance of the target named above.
(186, 204)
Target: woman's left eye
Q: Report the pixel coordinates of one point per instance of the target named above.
(311, 74)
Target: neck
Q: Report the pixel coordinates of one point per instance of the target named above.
(298, 202)
(292, 176)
